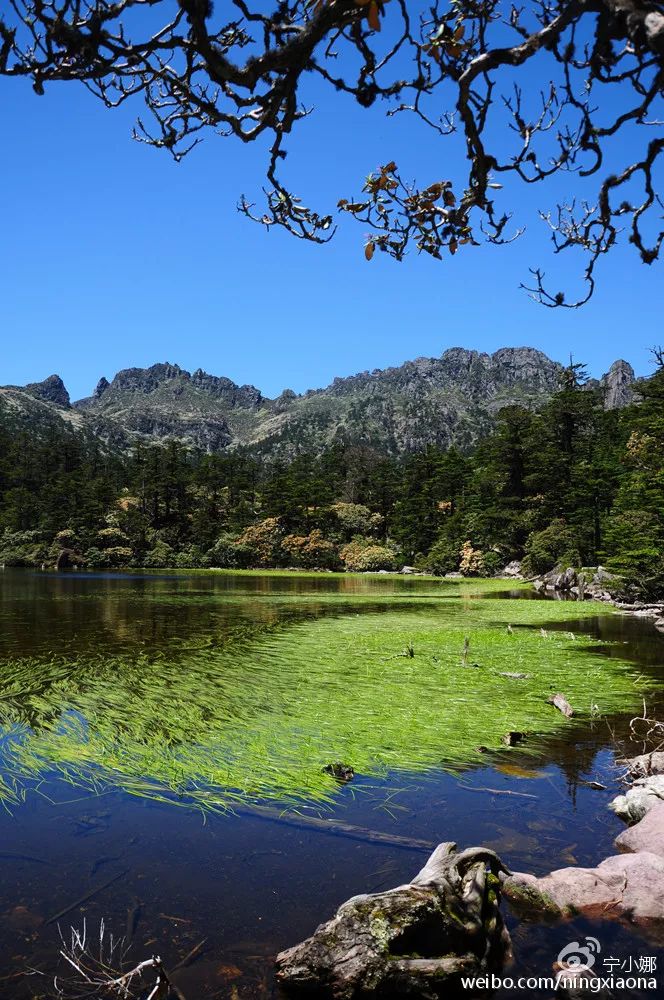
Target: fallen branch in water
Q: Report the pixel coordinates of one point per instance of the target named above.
(652, 728)
(84, 899)
(408, 652)
(190, 956)
(497, 791)
(18, 856)
(97, 962)
(334, 827)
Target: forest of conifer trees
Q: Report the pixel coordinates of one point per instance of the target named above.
(572, 484)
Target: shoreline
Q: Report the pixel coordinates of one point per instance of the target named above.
(507, 767)
(572, 584)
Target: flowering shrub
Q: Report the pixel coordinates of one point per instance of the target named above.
(362, 555)
(472, 560)
(264, 541)
(312, 550)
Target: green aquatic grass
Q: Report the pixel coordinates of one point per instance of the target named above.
(257, 717)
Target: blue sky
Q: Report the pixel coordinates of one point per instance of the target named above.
(114, 256)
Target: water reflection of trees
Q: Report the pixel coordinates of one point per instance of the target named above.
(83, 613)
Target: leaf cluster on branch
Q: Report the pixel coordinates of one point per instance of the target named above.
(460, 66)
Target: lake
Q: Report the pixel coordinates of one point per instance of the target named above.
(145, 716)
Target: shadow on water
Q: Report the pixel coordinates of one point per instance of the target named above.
(171, 877)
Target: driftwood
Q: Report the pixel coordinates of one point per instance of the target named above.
(417, 939)
(97, 961)
(334, 828)
(560, 702)
(18, 856)
(645, 765)
(498, 791)
(84, 899)
(190, 956)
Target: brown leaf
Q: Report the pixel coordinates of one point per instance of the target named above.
(385, 182)
(369, 250)
(453, 246)
(229, 971)
(373, 16)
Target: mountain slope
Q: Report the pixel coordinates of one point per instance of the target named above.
(430, 401)
(42, 407)
(442, 401)
(165, 401)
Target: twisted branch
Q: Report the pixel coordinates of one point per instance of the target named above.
(241, 72)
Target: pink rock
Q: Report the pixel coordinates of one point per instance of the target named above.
(624, 886)
(646, 835)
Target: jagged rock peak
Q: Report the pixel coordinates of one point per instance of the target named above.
(283, 400)
(523, 357)
(618, 385)
(147, 379)
(511, 363)
(225, 388)
(172, 378)
(101, 387)
(475, 371)
(52, 389)
(622, 366)
(468, 355)
(448, 400)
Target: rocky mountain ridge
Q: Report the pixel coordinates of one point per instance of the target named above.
(441, 401)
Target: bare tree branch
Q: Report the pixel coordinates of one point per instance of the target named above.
(453, 65)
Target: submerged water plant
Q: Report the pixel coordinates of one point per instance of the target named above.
(257, 714)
